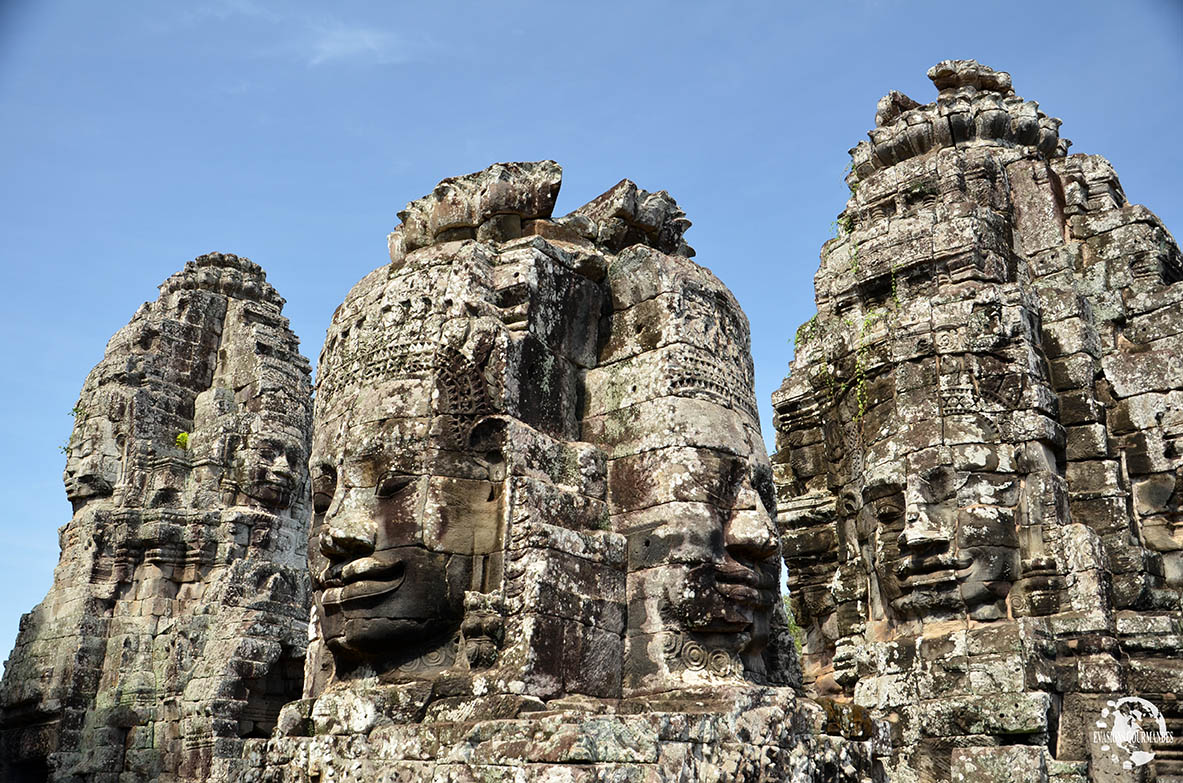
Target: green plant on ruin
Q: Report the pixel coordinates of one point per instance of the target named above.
(79, 413)
(860, 361)
(847, 171)
(811, 332)
(796, 631)
(842, 226)
(925, 186)
(806, 332)
(182, 440)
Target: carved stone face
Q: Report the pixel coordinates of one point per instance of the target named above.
(730, 587)
(399, 515)
(266, 470)
(92, 466)
(689, 482)
(404, 510)
(942, 556)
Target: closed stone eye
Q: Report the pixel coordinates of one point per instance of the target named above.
(324, 486)
(391, 484)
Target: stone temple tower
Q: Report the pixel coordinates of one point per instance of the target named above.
(177, 621)
(542, 544)
(978, 450)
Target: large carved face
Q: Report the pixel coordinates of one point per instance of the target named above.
(394, 538)
(93, 459)
(690, 484)
(403, 509)
(941, 554)
(730, 587)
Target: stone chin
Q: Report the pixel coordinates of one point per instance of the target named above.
(84, 488)
(920, 602)
(87, 478)
(360, 638)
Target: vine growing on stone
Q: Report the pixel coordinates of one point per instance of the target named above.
(79, 413)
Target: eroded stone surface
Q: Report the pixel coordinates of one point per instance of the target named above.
(176, 624)
(543, 544)
(977, 469)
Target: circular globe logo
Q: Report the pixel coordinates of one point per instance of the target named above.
(1127, 724)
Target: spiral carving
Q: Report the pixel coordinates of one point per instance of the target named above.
(694, 656)
(721, 663)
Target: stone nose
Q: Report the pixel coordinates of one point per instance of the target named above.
(345, 537)
(749, 533)
(279, 472)
(921, 532)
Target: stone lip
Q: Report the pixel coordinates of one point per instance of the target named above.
(975, 106)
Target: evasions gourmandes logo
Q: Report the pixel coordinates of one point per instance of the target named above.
(1128, 725)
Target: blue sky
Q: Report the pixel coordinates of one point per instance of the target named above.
(136, 135)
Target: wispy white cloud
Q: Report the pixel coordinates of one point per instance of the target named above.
(318, 40)
(338, 42)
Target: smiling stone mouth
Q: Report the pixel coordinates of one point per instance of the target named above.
(277, 483)
(921, 572)
(366, 577)
(929, 579)
(743, 585)
(271, 492)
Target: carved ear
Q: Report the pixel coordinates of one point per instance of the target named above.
(487, 440)
(488, 434)
(483, 629)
